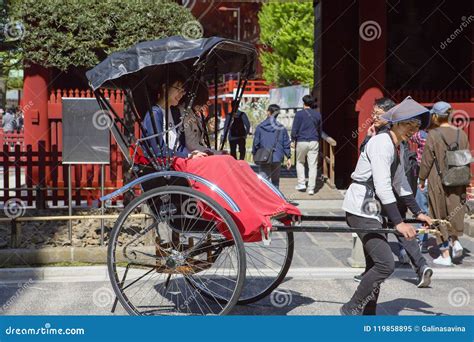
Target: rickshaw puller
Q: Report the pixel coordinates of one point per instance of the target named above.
(377, 175)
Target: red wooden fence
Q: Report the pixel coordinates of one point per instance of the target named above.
(18, 166)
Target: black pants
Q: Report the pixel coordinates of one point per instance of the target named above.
(411, 246)
(271, 172)
(240, 142)
(379, 264)
(413, 251)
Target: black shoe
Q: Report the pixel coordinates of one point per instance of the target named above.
(424, 280)
(349, 309)
(358, 278)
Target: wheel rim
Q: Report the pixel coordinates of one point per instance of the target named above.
(266, 266)
(175, 253)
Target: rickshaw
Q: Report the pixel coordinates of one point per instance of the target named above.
(173, 249)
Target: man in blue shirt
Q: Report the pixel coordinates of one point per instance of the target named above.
(305, 133)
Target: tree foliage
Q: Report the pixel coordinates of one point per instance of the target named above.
(287, 31)
(81, 33)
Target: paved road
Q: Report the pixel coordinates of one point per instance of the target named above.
(307, 291)
(318, 283)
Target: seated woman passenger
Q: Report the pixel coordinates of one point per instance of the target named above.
(195, 132)
(257, 202)
(155, 124)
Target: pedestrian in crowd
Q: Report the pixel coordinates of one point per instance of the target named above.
(19, 119)
(445, 202)
(378, 174)
(409, 251)
(236, 129)
(305, 135)
(419, 139)
(9, 121)
(272, 139)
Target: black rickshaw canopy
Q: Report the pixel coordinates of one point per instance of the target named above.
(212, 55)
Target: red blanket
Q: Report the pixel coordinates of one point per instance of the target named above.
(257, 202)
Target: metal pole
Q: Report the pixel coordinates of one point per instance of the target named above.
(69, 185)
(216, 89)
(238, 23)
(102, 204)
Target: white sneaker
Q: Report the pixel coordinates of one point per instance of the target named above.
(457, 249)
(311, 192)
(443, 261)
(300, 187)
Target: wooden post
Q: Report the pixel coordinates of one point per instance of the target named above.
(6, 173)
(29, 174)
(40, 195)
(15, 237)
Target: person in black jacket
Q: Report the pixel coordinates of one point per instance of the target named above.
(306, 133)
(271, 134)
(236, 129)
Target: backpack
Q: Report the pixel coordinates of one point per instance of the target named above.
(237, 128)
(410, 165)
(457, 162)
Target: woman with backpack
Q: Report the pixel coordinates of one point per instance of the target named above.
(446, 201)
(271, 144)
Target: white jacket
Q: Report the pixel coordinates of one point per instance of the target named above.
(375, 161)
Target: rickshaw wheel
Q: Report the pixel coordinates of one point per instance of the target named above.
(168, 246)
(267, 266)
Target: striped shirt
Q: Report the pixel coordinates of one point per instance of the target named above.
(419, 138)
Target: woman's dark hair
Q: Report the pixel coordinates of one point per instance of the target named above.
(172, 79)
(202, 94)
(310, 101)
(274, 110)
(384, 103)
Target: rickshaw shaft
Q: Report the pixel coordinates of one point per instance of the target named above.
(322, 218)
(325, 229)
(344, 229)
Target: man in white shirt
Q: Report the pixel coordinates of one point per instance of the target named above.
(377, 175)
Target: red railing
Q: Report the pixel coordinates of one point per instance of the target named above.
(12, 138)
(253, 87)
(51, 190)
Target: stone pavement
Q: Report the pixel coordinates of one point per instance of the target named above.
(306, 291)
